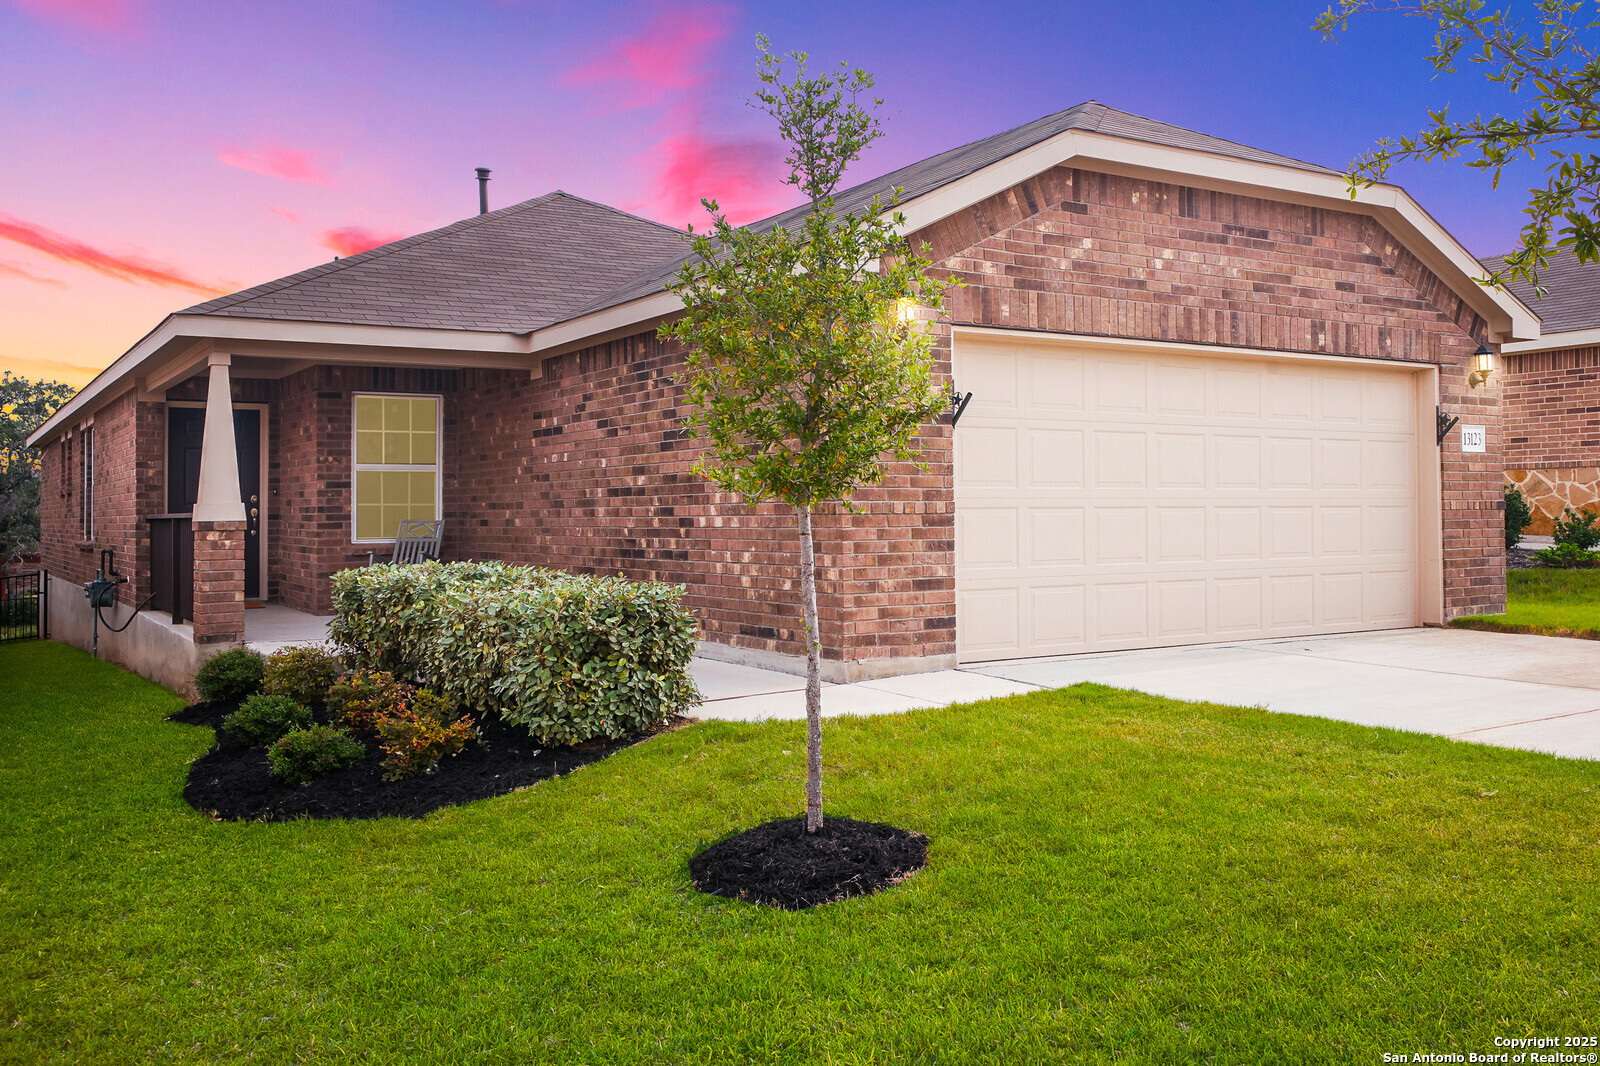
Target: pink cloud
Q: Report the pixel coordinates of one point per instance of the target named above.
(130, 268)
(743, 176)
(15, 270)
(275, 161)
(669, 54)
(106, 16)
(353, 240)
(284, 212)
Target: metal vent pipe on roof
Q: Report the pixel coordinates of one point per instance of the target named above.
(483, 190)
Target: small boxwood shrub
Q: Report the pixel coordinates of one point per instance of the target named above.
(571, 657)
(420, 732)
(305, 755)
(303, 674)
(230, 675)
(262, 719)
(361, 698)
(1576, 529)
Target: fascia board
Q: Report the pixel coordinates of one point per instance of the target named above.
(114, 380)
(608, 320)
(1550, 342)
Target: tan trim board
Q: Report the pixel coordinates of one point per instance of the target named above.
(1550, 342)
(178, 327)
(1096, 340)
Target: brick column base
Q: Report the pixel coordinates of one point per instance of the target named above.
(218, 582)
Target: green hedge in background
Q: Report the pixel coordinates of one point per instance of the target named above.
(571, 657)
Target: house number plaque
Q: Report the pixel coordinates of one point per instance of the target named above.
(1473, 439)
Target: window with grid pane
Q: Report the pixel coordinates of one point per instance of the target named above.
(396, 463)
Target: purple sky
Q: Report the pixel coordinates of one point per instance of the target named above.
(158, 151)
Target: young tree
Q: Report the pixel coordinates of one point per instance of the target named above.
(1561, 75)
(803, 376)
(24, 405)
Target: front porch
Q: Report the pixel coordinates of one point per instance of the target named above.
(271, 627)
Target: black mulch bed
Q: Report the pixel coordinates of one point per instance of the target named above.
(233, 782)
(781, 865)
(1521, 559)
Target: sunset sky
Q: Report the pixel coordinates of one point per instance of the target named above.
(158, 152)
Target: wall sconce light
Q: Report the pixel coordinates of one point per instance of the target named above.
(1482, 366)
(905, 310)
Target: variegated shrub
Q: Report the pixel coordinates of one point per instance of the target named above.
(571, 657)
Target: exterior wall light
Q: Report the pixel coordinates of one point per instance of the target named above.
(1482, 366)
(905, 310)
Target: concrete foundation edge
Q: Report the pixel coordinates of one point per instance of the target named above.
(834, 671)
(151, 647)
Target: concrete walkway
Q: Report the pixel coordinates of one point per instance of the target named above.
(1539, 693)
(745, 694)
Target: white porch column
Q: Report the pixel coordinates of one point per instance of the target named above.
(218, 498)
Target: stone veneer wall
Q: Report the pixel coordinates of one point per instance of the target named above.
(1552, 412)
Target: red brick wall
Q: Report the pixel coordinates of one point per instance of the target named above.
(1552, 409)
(128, 447)
(309, 501)
(1552, 412)
(219, 582)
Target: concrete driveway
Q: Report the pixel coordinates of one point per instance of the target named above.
(1540, 693)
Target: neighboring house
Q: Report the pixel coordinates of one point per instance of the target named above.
(1552, 393)
(1205, 383)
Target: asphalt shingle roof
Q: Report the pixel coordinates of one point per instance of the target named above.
(557, 257)
(1572, 296)
(511, 270)
(931, 173)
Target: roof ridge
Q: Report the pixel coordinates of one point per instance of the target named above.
(288, 281)
(616, 211)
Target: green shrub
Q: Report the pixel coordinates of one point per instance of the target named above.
(303, 674)
(230, 675)
(358, 700)
(1566, 557)
(571, 657)
(304, 755)
(262, 719)
(1577, 530)
(420, 732)
(1519, 512)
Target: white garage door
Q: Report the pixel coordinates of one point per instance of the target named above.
(1109, 500)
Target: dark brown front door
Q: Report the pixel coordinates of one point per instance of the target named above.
(185, 431)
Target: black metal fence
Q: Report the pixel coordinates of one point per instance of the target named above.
(24, 605)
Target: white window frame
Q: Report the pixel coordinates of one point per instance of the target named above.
(86, 478)
(438, 457)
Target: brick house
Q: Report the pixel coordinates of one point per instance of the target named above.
(1551, 394)
(1205, 384)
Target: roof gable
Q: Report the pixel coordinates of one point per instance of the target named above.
(511, 270)
(929, 174)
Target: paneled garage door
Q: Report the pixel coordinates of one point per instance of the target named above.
(1110, 500)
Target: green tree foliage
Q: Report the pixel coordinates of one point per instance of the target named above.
(1519, 513)
(1555, 70)
(804, 375)
(24, 405)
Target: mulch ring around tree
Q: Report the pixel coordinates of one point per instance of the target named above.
(781, 865)
(233, 782)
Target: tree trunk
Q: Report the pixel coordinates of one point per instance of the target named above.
(808, 592)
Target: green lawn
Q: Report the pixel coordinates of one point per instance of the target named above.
(1557, 603)
(1113, 877)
